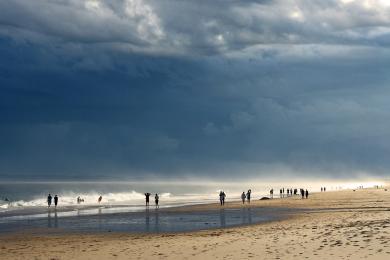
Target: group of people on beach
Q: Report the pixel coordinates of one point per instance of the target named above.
(246, 196)
(222, 195)
(156, 199)
(49, 200)
(290, 192)
(323, 189)
(79, 200)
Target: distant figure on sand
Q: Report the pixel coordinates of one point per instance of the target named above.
(100, 199)
(49, 200)
(156, 198)
(288, 192)
(303, 193)
(271, 193)
(243, 197)
(248, 196)
(55, 200)
(281, 193)
(307, 194)
(147, 195)
(222, 196)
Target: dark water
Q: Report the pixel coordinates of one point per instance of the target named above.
(149, 221)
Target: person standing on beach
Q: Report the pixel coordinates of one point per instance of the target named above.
(271, 193)
(100, 199)
(243, 197)
(55, 200)
(307, 194)
(303, 193)
(248, 196)
(49, 200)
(156, 198)
(147, 195)
(222, 196)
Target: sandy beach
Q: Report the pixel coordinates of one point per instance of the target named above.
(333, 225)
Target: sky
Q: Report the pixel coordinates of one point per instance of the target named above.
(138, 89)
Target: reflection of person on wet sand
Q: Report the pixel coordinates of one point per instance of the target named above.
(49, 219)
(222, 218)
(55, 219)
(147, 221)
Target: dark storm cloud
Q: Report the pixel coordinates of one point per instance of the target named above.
(177, 88)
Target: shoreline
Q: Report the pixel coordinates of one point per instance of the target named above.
(341, 224)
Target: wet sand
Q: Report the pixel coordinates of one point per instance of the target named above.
(336, 225)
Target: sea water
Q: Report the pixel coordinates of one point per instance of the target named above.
(122, 207)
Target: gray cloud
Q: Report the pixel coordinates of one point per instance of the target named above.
(200, 27)
(175, 88)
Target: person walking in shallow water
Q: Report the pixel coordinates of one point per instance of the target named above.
(55, 200)
(243, 197)
(49, 200)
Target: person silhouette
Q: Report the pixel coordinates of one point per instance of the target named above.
(307, 193)
(271, 193)
(156, 199)
(55, 200)
(49, 200)
(248, 196)
(243, 197)
(147, 195)
(100, 199)
(222, 197)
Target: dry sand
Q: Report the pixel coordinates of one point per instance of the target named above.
(344, 225)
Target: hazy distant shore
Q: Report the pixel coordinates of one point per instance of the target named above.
(342, 224)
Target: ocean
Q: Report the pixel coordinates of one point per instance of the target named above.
(23, 205)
